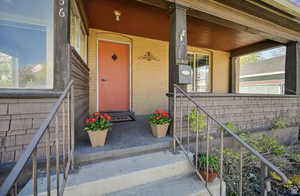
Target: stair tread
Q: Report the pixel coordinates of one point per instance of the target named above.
(108, 169)
(176, 186)
(115, 175)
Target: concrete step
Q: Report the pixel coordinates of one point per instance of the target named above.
(188, 185)
(83, 158)
(117, 175)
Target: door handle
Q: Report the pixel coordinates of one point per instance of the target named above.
(103, 80)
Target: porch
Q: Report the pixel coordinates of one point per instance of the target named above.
(125, 139)
(128, 57)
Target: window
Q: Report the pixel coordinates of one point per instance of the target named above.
(78, 37)
(200, 64)
(26, 44)
(263, 72)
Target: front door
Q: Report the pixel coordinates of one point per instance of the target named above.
(113, 69)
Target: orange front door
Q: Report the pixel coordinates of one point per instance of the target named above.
(113, 76)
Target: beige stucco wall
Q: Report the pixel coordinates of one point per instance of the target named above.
(150, 78)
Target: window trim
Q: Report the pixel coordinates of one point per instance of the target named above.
(50, 60)
(61, 74)
(81, 28)
(210, 76)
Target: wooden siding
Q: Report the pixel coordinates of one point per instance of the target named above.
(80, 75)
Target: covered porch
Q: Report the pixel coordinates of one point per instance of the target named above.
(133, 65)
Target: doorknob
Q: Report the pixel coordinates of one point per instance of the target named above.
(103, 80)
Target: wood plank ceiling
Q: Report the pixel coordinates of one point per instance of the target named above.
(152, 22)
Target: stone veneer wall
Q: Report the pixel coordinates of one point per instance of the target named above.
(248, 112)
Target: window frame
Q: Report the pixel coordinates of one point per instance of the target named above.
(194, 86)
(61, 74)
(50, 61)
(79, 29)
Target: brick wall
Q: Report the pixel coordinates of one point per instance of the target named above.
(19, 120)
(248, 112)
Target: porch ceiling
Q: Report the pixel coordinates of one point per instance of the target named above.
(152, 22)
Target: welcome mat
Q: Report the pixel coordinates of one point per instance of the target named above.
(122, 116)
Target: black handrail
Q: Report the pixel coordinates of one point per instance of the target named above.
(9, 182)
(236, 137)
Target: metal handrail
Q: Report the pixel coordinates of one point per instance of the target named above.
(237, 138)
(12, 178)
(210, 121)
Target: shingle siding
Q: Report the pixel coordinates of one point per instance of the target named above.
(248, 112)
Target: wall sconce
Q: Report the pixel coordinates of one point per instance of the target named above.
(117, 14)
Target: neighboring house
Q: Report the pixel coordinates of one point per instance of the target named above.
(125, 56)
(263, 76)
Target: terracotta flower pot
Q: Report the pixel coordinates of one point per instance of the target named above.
(97, 138)
(159, 130)
(210, 177)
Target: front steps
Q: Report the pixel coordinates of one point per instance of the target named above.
(160, 173)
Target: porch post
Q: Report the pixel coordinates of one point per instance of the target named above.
(179, 72)
(61, 41)
(234, 75)
(292, 69)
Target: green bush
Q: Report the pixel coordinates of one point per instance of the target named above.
(231, 128)
(197, 121)
(279, 124)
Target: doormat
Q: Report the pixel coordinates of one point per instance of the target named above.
(122, 116)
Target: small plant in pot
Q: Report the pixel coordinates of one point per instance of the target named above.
(97, 126)
(159, 122)
(213, 166)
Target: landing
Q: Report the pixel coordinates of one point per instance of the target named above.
(125, 137)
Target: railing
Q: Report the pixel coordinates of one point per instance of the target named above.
(198, 133)
(53, 142)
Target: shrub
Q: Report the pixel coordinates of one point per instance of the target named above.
(231, 128)
(197, 121)
(295, 157)
(279, 124)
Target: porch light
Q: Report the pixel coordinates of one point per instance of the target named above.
(117, 14)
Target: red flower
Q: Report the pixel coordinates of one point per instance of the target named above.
(93, 120)
(87, 121)
(97, 114)
(158, 111)
(107, 117)
(165, 114)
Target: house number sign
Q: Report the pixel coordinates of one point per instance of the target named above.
(61, 9)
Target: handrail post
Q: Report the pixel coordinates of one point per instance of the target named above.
(72, 126)
(174, 119)
(264, 176)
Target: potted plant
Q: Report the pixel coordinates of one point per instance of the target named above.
(159, 122)
(213, 166)
(97, 126)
